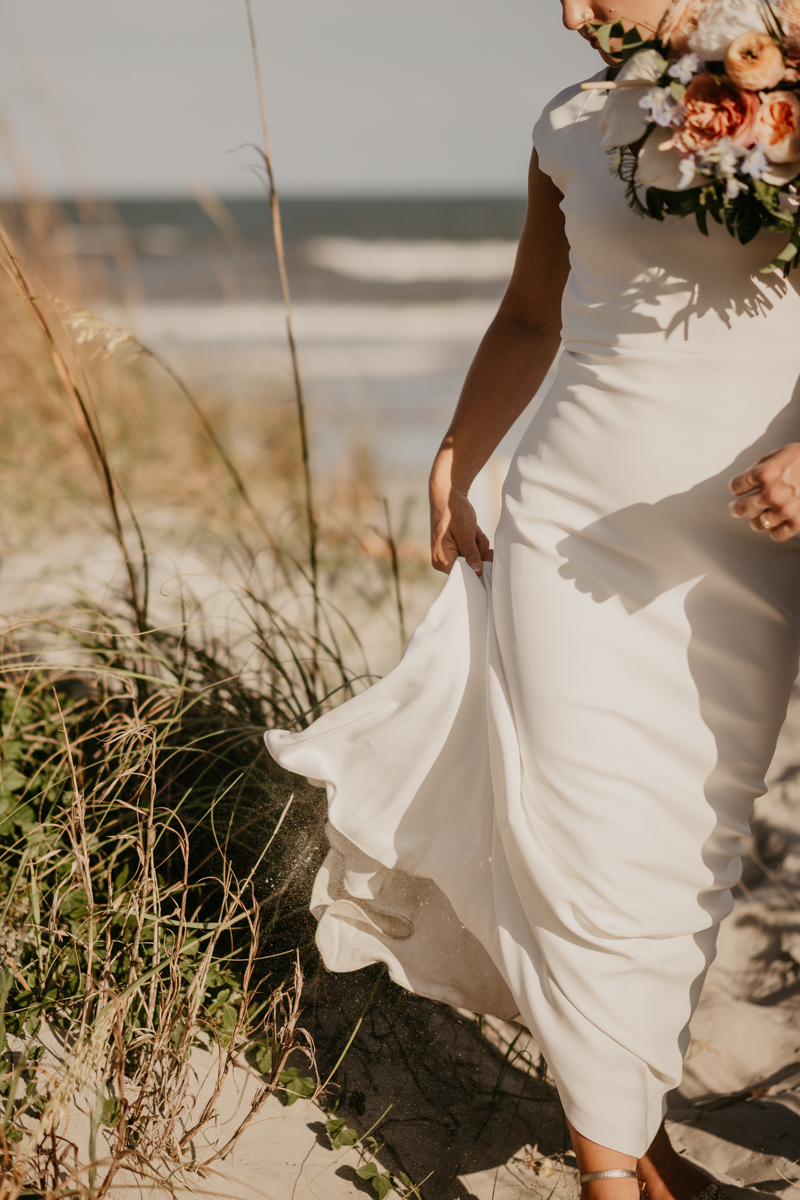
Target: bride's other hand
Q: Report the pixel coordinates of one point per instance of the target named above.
(769, 494)
(454, 527)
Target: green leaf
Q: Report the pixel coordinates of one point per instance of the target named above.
(6, 979)
(227, 1016)
(122, 878)
(10, 778)
(339, 1133)
(677, 90)
(605, 32)
(701, 217)
(263, 1057)
(368, 1171)
(383, 1184)
(110, 1114)
(12, 751)
(298, 1087)
(24, 816)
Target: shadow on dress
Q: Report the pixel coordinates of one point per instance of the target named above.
(709, 291)
(741, 612)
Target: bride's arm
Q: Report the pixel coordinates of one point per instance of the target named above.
(510, 364)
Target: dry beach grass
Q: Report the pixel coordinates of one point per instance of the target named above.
(138, 924)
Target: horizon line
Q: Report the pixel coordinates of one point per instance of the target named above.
(123, 197)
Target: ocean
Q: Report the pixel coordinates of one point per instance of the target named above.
(390, 295)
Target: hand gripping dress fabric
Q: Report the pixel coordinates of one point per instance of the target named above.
(539, 812)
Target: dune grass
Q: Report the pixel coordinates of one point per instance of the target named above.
(127, 785)
(155, 864)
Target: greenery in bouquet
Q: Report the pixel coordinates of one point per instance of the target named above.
(704, 118)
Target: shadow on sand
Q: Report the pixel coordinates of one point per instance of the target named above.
(444, 1093)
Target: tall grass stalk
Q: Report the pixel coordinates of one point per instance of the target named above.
(277, 229)
(395, 561)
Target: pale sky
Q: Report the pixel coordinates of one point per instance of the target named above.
(138, 97)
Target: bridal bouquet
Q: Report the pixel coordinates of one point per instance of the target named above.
(705, 117)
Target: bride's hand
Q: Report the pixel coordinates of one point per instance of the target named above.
(454, 526)
(769, 494)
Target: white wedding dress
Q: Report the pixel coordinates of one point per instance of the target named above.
(539, 811)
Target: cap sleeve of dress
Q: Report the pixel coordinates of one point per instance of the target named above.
(556, 119)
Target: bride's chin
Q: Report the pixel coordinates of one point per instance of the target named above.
(608, 59)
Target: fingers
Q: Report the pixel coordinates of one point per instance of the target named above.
(771, 523)
(474, 560)
(751, 478)
(478, 551)
(782, 533)
(775, 496)
(768, 494)
(455, 533)
(444, 553)
(454, 543)
(449, 544)
(745, 482)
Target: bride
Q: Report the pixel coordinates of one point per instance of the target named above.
(538, 814)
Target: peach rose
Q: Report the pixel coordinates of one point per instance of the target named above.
(754, 62)
(778, 127)
(678, 22)
(714, 109)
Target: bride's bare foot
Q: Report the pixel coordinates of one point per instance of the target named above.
(666, 1174)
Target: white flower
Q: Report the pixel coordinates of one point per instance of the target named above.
(686, 66)
(721, 22)
(661, 105)
(755, 162)
(621, 120)
(733, 187)
(667, 169)
(723, 156)
(687, 170)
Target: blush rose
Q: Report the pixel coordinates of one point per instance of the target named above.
(778, 127)
(714, 109)
(679, 22)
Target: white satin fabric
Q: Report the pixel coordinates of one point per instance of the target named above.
(539, 811)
